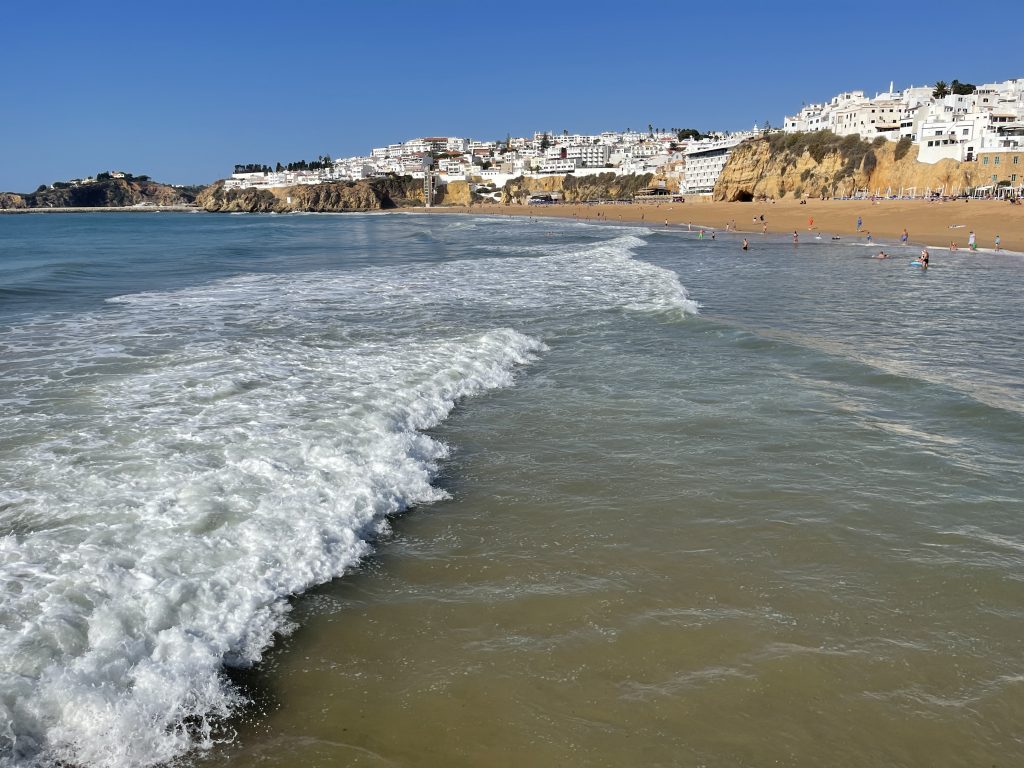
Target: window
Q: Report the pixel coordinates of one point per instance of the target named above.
(995, 160)
(1013, 177)
(984, 161)
(1016, 160)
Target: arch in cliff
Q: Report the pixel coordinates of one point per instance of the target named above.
(742, 196)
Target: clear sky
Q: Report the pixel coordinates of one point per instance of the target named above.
(182, 90)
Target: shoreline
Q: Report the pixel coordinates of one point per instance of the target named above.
(934, 225)
(929, 224)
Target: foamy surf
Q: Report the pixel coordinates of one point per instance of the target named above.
(158, 542)
(179, 462)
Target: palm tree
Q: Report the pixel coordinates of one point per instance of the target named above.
(941, 90)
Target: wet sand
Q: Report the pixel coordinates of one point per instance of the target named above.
(935, 224)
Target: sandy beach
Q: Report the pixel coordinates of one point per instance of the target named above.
(936, 224)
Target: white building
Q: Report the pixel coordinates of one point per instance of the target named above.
(705, 160)
(558, 165)
(955, 126)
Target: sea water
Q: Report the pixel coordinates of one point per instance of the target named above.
(439, 490)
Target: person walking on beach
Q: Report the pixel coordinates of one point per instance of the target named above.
(999, 246)
(905, 236)
(764, 230)
(860, 221)
(869, 237)
(972, 241)
(810, 223)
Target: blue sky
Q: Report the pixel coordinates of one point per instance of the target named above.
(183, 90)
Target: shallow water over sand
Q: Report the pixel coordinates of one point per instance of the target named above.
(786, 530)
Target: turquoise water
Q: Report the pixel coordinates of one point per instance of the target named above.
(780, 527)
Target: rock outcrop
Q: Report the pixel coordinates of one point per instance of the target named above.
(455, 193)
(101, 194)
(368, 195)
(575, 189)
(823, 165)
(9, 201)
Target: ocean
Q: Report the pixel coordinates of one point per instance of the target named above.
(438, 490)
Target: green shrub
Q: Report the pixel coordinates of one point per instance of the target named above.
(902, 147)
(870, 162)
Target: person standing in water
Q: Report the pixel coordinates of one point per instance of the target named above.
(746, 245)
(796, 237)
(999, 242)
(972, 241)
(924, 258)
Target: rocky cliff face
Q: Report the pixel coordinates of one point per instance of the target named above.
(369, 195)
(101, 194)
(10, 201)
(604, 186)
(456, 193)
(831, 168)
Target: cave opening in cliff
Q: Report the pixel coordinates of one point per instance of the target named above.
(743, 196)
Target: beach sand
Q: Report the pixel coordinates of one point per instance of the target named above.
(927, 223)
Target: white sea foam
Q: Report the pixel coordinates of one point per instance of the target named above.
(174, 466)
(602, 273)
(159, 542)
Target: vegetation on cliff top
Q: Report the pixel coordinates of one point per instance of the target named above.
(857, 153)
(322, 162)
(818, 144)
